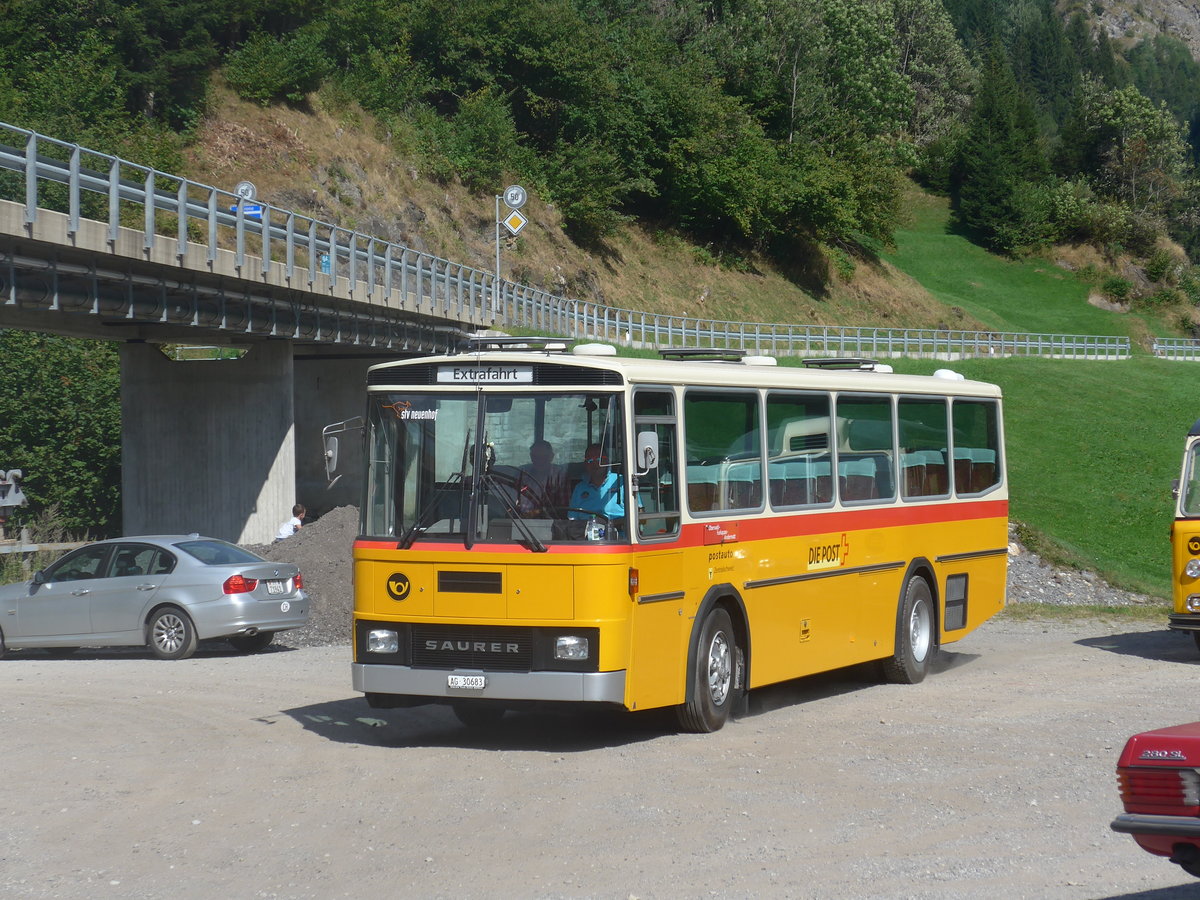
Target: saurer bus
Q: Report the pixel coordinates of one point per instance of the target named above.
(544, 524)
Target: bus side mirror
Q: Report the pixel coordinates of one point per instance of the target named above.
(331, 454)
(647, 451)
(329, 438)
(1175, 488)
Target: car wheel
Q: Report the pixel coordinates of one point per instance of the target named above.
(2, 648)
(170, 634)
(251, 643)
(60, 652)
(915, 644)
(712, 679)
(479, 715)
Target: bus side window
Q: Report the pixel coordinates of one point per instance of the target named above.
(866, 465)
(976, 445)
(658, 488)
(923, 439)
(798, 444)
(724, 469)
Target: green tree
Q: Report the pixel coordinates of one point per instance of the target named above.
(60, 401)
(1134, 149)
(1000, 162)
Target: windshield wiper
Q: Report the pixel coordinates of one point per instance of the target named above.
(419, 524)
(501, 491)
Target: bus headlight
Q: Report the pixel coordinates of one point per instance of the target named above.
(383, 641)
(570, 646)
(1193, 603)
(1192, 569)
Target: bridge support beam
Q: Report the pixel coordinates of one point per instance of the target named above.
(208, 446)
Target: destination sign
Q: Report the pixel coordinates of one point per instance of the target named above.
(490, 374)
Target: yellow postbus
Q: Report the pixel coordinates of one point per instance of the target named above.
(550, 525)
(1185, 542)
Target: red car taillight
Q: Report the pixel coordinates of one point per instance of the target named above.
(299, 581)
(1159, 789)
(237, 584)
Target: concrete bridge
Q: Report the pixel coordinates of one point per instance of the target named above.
(224, 447)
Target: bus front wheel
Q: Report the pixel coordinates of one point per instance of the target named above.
(915, 644)
(711, 681)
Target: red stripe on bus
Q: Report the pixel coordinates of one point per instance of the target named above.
(756, 529)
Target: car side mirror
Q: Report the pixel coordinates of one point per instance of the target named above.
(39, 577)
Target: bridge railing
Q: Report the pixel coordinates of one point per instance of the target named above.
(318, 256)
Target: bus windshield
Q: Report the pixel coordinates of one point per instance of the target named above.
(1189, 494)
(495, 467)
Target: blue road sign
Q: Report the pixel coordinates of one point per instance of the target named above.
(252, 210)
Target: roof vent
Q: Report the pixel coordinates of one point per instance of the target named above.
(949, 375)
(759, 361)
(594, 350)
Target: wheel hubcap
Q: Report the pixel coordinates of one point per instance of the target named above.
(720, 668)
(168, 633)
(920, 631)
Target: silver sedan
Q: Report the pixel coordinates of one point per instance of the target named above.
(164, 592)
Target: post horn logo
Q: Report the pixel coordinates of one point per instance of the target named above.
(398, 586)
(1194, 545)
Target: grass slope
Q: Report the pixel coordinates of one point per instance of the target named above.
(1009, 295)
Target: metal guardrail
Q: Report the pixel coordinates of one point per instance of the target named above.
(1182, 349)
(380, 272)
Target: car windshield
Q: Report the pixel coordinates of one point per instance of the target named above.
(509, 462)
(217, 553)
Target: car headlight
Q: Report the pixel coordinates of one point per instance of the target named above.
(570, 646)
(383, 641)
(1192, 569)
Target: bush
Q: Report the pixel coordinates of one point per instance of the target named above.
(1159, 265)
(1117, 288)
(268, 68)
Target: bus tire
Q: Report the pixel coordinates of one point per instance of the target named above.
(915, 642)
(712, 680)
(1196, 638)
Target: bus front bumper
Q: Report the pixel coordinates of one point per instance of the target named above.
(585, 687)
(1184, 621)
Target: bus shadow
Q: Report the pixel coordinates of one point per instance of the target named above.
(839, 682)
(1179, 892)
(351, 721)
(1163, 645)
(556, 729)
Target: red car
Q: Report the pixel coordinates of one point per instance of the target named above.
(1159, 777)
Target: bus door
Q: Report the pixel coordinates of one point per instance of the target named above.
(659, 621)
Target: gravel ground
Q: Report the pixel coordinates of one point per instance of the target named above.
(267, 776)
(322, 551)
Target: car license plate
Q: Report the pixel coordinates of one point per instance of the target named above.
(467, 682)
(274, 587)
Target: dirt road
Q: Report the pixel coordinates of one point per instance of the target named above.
(267, 776)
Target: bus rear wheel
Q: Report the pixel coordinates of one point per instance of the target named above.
(915, 643)
(712, 680)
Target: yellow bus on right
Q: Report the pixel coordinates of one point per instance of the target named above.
(1185, 542)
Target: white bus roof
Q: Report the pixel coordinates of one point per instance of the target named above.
(750, 371)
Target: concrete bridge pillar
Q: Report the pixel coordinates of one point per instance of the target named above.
(208, 446)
